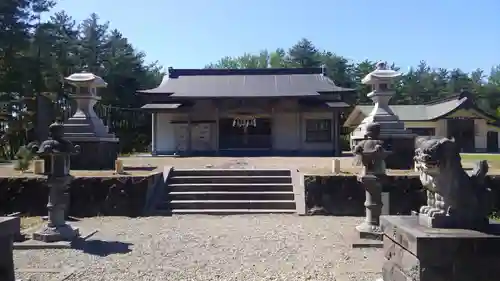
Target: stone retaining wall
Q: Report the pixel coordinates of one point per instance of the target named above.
(342, 195)
(90, 196)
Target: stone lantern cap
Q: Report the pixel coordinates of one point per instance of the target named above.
(86, 79)
(381, 74)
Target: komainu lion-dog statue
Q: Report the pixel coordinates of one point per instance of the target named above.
(455, 199)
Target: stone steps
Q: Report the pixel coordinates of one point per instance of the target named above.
(232, 172)
(225, 211)
(231, 187)
(230, 179)
(232, 191)
(230, 195)
(232, 204)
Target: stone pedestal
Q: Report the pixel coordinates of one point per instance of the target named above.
(57, 233)
(96, 154)
(56, 228)
(370, 228)
(419, 253)
(9, 227)
(403, 150)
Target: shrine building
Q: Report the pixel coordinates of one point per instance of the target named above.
(246, 112)
(456, 117)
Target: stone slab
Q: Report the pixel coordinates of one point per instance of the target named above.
(371, 235)
(40, 245)
(367, 243)
(48, 274)
(9, 226)
(418, 253)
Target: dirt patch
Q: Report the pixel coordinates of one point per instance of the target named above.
(307, 165)
(146, 165)
(29, 222)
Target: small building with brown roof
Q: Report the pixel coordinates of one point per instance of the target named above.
(246, 112)
(456, 117)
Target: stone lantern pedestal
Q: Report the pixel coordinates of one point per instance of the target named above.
(392, 130)
(99, 148)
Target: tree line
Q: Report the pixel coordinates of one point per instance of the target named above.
(420, 84)
(36, 55)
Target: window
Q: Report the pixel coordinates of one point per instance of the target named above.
(318, 130)
(423, 132)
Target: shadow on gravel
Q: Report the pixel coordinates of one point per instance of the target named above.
(101, 248)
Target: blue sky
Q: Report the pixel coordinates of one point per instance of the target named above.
(192, 33)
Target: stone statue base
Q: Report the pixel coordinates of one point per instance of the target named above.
(419, 253)
(56, 234)
(450, 222)
(95, 154)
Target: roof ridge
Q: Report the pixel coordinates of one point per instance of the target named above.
(461, 95)
(175, 73)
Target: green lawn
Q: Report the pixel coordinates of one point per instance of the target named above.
(493, 159)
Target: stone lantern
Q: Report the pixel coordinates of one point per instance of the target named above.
(392, 130)
(371, 154)
(86, 129)
(58, 150)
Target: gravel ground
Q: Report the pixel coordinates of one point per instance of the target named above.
(260, 247)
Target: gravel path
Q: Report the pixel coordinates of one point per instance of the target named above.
(261, 247)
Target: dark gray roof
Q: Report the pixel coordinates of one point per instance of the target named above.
(161, 106)
(245, 83)
(420, 112)
(337, 104)
(425, 112)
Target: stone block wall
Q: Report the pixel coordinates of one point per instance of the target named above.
(342, 195)
(89, 196)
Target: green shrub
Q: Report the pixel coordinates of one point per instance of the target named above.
(24, 157)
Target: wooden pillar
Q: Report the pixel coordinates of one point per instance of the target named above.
(272, 130)
(217, 133)
(189, 134)
(336, 134)
(301, 130)
(154, 130)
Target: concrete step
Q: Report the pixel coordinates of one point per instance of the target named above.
(217, 212)
(228, 204)
(230, 172)
(229, 179)
(228, 211)
(233, 187)
(231, 195)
